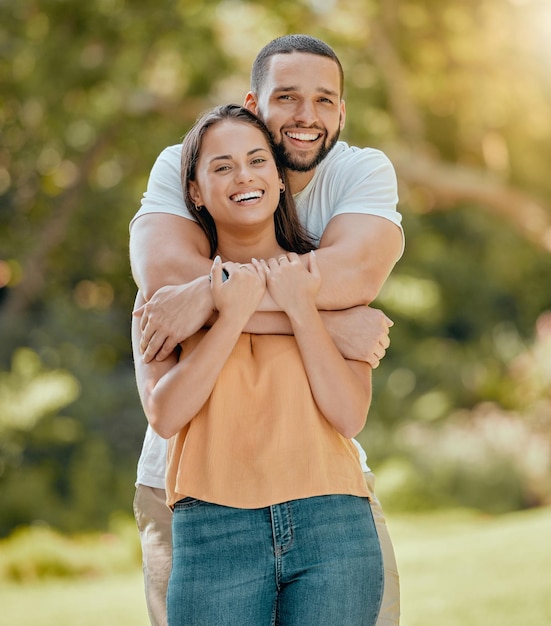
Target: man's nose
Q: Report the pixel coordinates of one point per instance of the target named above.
(306, 113)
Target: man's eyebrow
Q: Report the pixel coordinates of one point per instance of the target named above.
(324, 90)
(228, 157)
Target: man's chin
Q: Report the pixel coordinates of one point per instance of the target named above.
(295, 166)
(304, 164)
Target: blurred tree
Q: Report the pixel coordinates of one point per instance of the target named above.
(91, 93)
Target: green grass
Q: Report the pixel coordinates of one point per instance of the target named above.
(456, 568)
(112, 601)
(461, 569)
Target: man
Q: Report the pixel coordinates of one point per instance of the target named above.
(345, 196)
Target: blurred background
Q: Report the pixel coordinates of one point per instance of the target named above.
(456, 93)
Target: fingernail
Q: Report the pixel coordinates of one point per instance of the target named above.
(217, 259)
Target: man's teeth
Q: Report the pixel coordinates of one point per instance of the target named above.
(251, 195)
(303, 136)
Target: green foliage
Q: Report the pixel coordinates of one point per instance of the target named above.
(39, 553)
(27, 393)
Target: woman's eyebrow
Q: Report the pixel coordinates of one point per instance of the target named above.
(228, 157)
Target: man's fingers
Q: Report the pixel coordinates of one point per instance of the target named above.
(144, 320)
(166, 350)
(158, 347)
(377, 355)
(151, 348)
(147, 336)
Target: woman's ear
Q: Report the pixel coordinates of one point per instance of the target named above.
(194, 193)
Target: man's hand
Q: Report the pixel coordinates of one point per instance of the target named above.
(360, 333)
(173, 314)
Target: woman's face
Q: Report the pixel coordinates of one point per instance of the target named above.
(236, 177)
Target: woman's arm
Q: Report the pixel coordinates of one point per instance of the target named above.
(341, 388)
(172, 391)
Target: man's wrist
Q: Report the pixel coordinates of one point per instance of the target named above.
(203, 286)
(328, 318)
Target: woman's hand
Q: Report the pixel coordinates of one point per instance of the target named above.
(292, 285)
(240, 294)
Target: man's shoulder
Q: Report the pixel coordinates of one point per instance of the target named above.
(167, 165)
(343, 152)
(172, 154)
(347, 160)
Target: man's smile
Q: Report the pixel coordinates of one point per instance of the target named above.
(303, 136)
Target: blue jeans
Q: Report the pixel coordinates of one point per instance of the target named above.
(310, 562)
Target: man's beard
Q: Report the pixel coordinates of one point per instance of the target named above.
(293, 164)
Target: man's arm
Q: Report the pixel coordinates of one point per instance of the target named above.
(167, 249)
(356, 255)
(170, 264)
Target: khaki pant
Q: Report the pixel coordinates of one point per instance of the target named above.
(389, 615)
(154, 521)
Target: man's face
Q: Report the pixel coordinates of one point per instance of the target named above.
(301, 104)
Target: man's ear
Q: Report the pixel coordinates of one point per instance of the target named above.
(251, 102)
(343, 115)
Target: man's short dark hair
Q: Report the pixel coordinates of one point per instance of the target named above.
(287, 44)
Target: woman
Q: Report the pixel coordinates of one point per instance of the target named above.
(272, 522)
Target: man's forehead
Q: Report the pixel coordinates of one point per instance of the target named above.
(282, 69)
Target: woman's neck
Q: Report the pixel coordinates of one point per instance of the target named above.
(244, 255)
(243, 250)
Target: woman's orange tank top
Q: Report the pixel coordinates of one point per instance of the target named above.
(260, 438)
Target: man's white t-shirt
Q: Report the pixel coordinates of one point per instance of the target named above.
(348, 180)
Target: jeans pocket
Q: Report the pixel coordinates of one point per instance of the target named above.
(187, 503)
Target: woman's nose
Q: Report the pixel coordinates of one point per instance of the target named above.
(244, 174)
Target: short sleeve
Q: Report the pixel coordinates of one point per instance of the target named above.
(164, 188)
(368, 185)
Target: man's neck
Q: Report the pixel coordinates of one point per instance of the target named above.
(299, 180)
